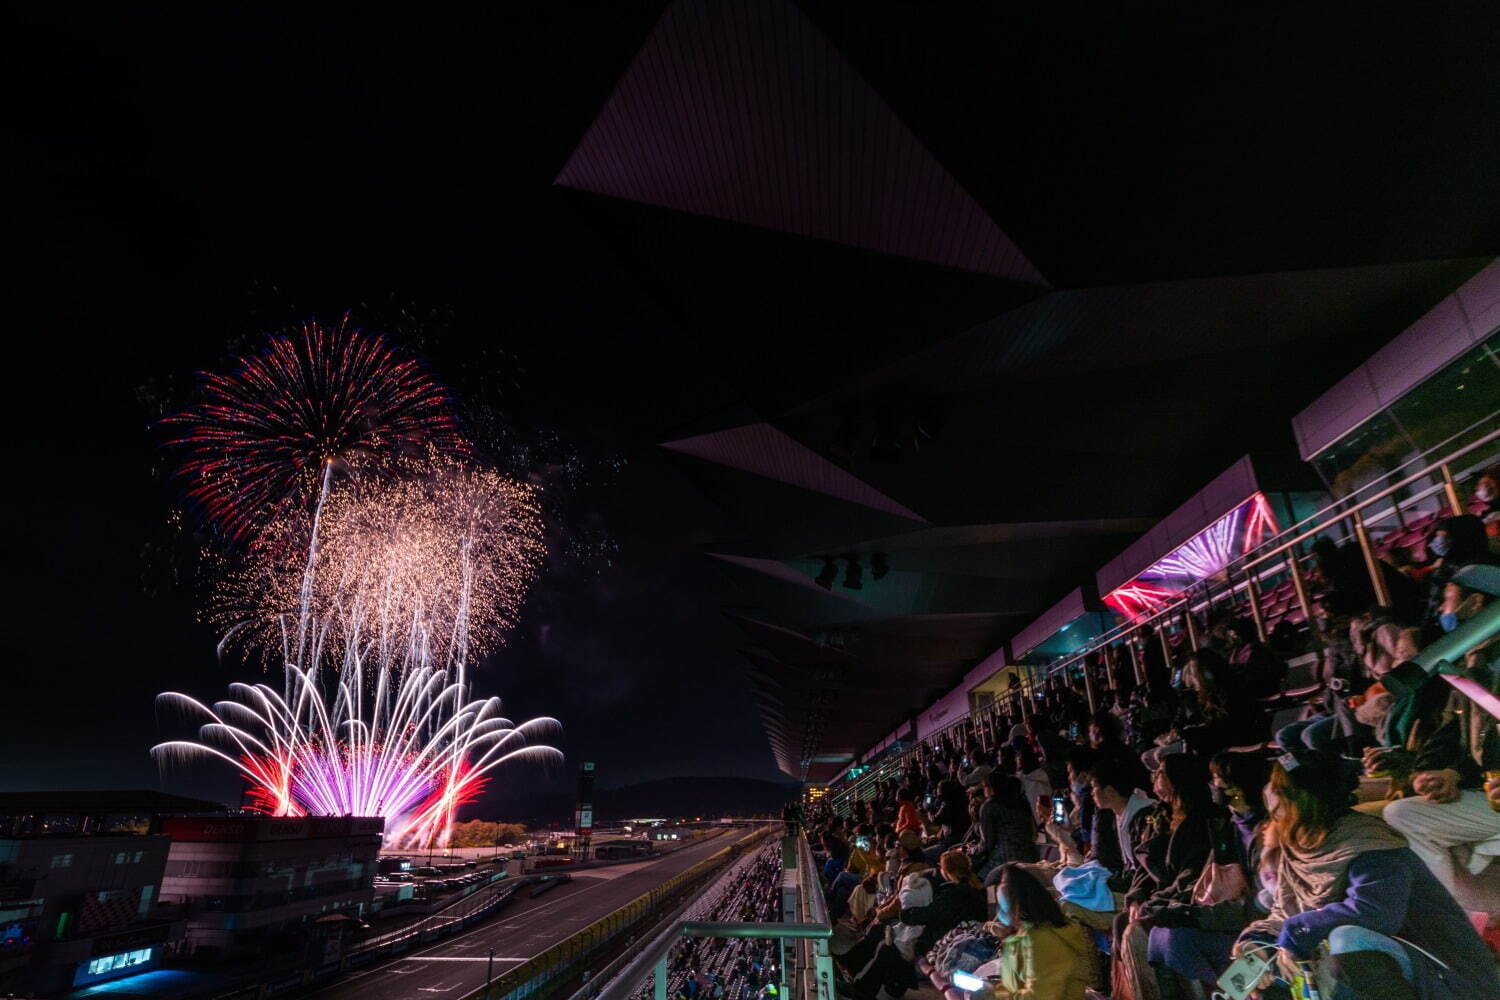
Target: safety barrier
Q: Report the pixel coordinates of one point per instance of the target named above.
(1432, 474)
(804, 933)
(551, 966)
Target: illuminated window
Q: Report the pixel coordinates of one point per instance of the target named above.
(62, 861)
(124, 960)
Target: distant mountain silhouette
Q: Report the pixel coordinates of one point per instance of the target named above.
(666, 797)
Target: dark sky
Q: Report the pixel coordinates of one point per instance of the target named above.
(179, 185)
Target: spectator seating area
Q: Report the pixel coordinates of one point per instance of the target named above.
(732, 968)
(1170, 806)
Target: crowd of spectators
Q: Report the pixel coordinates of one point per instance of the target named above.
(731, 968)
(1205, 819)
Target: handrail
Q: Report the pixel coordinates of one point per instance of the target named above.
(650, 960)
(1279, 545)
(1262, 554)
(812, 892)
(655, 953)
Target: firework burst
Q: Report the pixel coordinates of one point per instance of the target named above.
(259, 441)
(412, 750)
(427, 567)
(378, 561)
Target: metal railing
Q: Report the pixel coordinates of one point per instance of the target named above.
(808, 974)
(1433, 477)
(544, 971)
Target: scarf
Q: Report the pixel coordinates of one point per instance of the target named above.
(1311, 879)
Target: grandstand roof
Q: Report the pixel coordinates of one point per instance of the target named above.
(999, 286)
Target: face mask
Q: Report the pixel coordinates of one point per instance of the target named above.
(1485, 493)
(1448, 621)
(1002, 909)
(1219, 795)
(1080, 791)
(1440, 545)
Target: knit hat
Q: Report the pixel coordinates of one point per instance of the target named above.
(1311, 761)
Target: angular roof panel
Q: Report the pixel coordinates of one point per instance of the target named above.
(745, 111)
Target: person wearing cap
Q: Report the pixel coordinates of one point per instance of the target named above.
(1448, 811)
(1348, 884)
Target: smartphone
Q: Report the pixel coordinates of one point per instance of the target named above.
(1059, 809)
(1073, 732)
(1244, 974)
(1177, 678)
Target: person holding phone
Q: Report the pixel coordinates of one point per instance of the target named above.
(1043, 955)
(1346, 882)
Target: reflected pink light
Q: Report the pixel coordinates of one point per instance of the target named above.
(1237, 533)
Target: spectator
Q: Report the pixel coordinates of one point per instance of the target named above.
(1448, 810)
(1006, 830)
(1177, 844)
(957, 898)
(1261, 673)
(1115, 792)
(1043, 956)
(951, 813)
(1347, 879)
(907, 817)
(1194, 939)
(1035, 784)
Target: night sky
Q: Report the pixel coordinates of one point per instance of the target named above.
(178, 187)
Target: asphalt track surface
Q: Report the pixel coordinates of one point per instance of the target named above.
(456, 966)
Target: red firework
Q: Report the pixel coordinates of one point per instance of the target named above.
(259, 438)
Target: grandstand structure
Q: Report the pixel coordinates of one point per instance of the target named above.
(977, 385)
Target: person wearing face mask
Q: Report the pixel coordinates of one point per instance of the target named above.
(1194, 939)
(1455, 542)
(1447, 814)
(1353, 902)
(1043, 955)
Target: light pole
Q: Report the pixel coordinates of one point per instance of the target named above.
(489, 972)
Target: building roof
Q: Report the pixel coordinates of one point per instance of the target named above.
(1000, 287)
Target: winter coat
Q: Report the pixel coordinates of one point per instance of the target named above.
(952, 904)
(1389, 891)
(1171, 860)
(1005, 834)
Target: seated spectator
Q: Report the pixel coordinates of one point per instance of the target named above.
(1177, 844)
(1204, 722)
(1260, 672)
(1115, 793)
(1455, 542)
(1347, 880)
(1035, 784)
(925, 910)
(1447, 814)
(1043, 955)
(1193, 939)
(907, 817)
(950, 814)
(1006, 830)
(957, 898)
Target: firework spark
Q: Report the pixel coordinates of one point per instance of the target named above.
(378, 561)
(428, 568)
(258, 442)
(412, 751)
